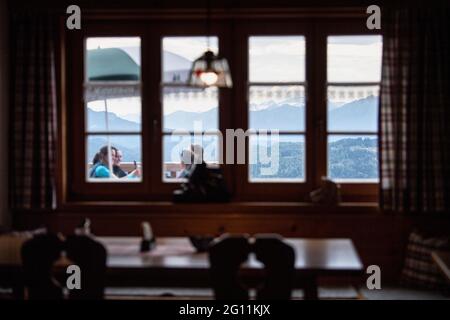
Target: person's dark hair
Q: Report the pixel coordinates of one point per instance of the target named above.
(102, 154)
(96, 158)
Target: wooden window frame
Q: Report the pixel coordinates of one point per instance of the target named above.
(79, 188)
(281, 191)
(233, 41)
(351, 191)
(163, 190)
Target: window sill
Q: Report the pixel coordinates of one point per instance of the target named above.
(167, 207)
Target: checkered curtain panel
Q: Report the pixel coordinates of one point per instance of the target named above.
(414, 114)
(33, 112)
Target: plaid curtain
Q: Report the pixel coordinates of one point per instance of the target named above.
(33, 115)
(415, 109)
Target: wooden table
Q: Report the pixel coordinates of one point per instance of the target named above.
(442, 259)
(175, 263)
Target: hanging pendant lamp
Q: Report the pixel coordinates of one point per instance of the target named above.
(210, 69)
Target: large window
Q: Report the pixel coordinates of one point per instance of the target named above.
(353, 74)
(305, 96)
(113, 109)
(276, 107)
(190, 115)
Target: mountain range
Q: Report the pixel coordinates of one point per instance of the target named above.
(96, 122)
(359, 115)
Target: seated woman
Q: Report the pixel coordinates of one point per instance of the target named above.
(198, 153)
(100, 168)
(187, 160)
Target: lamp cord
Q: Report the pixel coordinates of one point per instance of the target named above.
(208, 23)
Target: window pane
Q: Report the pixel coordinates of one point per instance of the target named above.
(190, 109)
(277, 59)
(129, 147)
(179, 53)
(113, 59)
(121, 114)
(354, 58)
(277, 107)
(277, 158)
(177, 147)
(353, 158)
(353, 108)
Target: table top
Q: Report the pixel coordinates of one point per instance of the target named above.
(442, 259)
(314, 255)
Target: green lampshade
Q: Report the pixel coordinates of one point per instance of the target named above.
(111, 64)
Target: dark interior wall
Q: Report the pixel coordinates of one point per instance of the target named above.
(183, 4)
(379, 238)
(4, 214)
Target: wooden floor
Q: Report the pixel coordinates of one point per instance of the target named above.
(325, 293)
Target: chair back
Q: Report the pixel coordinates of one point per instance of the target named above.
(38, 257)
(279, 261)
(90, 255)
(226, 254)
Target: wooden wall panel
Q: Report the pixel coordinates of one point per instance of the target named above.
(379, 238)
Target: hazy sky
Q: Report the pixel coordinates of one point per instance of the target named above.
(276, 59)
(189, 47)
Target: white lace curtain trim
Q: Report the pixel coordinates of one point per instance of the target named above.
(93, 92)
